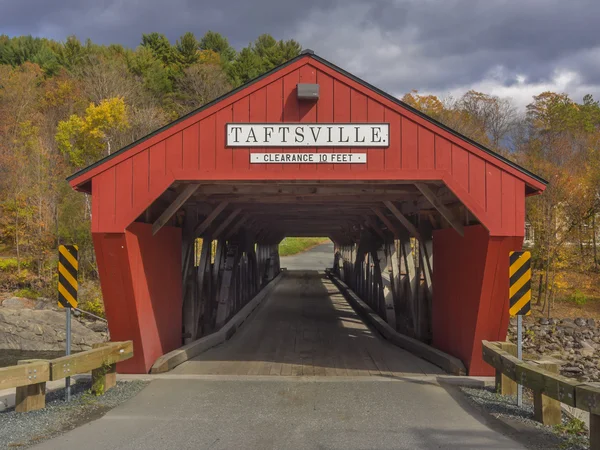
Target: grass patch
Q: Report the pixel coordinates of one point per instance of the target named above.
(27, 293)
(292, 246)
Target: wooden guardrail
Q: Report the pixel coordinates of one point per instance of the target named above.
(549, 388)
(29, 377)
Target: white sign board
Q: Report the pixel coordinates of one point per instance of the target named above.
(308, 158)
(308, 135)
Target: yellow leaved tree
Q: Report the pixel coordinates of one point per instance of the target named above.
(85, 139)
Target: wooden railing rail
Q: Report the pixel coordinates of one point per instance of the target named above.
(29, 377)
(549, 388)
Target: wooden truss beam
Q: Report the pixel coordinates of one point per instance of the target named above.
(174, 207)
(402, 218)
(226, 222)
(202, 227)
(441, 208)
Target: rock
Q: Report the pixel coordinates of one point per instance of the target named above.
(41, 330)
(591, 323)
(98, 327)
(16, 303)
(586, 349)
(580, 322)
(44, 303)
(572, 370)
(3, 405)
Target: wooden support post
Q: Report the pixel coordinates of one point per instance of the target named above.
(594, 431)
(103, 377)
(546, 410)
(390, 289)
(224, 298)
(412, 281)
(505, 385)
(31, 397)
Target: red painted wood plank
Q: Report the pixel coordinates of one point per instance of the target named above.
(509, 204)
(207, 144)
(460, 166)
(393, 153)
(443, 154)
(477, 184)
(291, 112)
(308, 110)
(494, 195)
(426, 150)
(124, 190)
(241, 113)
(519, 207)
(274, 114)
(223, 154)
(190, 146)
(258, 113)
(409, 144)
(141, 178)
(358, 114)
(325, 107)
(375, 156)
(174, 157)
(341, 114)
(158, 167)
(106, 198)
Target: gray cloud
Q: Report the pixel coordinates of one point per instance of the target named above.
(509, 47)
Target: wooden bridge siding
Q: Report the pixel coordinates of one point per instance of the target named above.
(492, 190)
(462, 317)
(140, 277)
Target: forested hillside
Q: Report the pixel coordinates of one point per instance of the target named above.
(66, 104)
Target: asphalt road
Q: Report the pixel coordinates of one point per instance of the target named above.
(366, 413)
(276, 412)
(317, 258)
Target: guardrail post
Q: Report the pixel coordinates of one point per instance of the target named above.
(504, 385)
(594, 431)
(103, 377)
(31, 397)
(545, 409)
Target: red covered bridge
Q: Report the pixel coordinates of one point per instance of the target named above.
(422, 218)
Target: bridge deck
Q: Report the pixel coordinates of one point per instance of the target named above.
(306, 327)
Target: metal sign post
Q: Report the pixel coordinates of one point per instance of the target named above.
(520, 300)
(68, 267)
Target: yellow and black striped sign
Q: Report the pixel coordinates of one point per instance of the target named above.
(67, 276)
(520, 284)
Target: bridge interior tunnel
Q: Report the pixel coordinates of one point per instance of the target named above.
(411, 250)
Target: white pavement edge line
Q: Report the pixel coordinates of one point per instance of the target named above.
(449, 363)
(174, 358)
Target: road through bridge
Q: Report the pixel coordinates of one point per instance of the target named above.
(186, 222)
(304, 372)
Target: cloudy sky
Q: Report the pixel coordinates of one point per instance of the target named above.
(515, 48)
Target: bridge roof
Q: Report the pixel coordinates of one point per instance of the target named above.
(80, 179)
(193, 149)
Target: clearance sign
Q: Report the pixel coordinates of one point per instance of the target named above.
(373, 135)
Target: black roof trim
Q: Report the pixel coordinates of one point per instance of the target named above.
(332, 66)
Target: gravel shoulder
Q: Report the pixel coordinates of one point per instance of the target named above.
(23, 430)
(518, 422)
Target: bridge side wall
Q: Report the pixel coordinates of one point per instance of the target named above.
(470, 296)
(140, 276)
